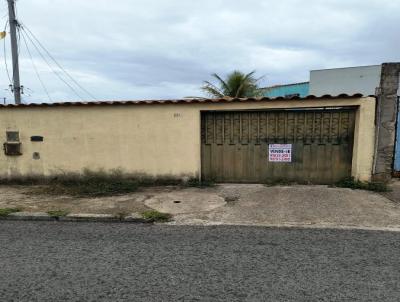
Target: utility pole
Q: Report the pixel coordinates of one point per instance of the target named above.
(14, 50)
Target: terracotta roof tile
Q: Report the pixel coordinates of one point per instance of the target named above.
(184, 101)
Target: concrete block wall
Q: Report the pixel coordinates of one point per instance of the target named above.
(386, 116)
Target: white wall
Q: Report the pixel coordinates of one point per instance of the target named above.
(351, 80)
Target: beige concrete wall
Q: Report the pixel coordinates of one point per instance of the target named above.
(151, 139)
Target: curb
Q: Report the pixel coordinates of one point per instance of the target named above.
(136, 218)
(38, 216)
(316, 226)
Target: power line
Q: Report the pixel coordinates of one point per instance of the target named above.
(27, 35)
(55, 61)
(51, 68)
(5, 55)
(34, 67)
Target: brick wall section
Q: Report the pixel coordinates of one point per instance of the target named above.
(386, 121)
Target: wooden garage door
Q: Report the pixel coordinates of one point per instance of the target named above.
(235, 145)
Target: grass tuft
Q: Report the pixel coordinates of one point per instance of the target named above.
(7, 211)
(195, 182)
(156, 216)
(89, 184)
(351, 183)
(94, 183)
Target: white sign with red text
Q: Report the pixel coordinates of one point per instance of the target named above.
(280, 153)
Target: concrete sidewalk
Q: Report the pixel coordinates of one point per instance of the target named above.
(242, 204)
(318, 206)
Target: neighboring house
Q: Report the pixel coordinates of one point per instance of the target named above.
(350, 80)
(288, 90)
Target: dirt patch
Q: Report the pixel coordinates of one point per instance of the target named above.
(25, 198)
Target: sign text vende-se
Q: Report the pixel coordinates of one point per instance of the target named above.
(280, 152)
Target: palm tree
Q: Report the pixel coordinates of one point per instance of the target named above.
(236, 85)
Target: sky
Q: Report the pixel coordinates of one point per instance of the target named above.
(165, 49)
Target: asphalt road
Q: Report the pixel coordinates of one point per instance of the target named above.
(44, 261)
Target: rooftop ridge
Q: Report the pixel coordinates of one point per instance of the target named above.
(186, 101)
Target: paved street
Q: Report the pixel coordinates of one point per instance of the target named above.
(49, 261)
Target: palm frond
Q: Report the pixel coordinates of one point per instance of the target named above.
(236, 84)
(248, 81)
(224, 85)
(212, 90)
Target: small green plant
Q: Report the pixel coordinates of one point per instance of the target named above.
(99, 183)
(195, 182)
(7, 211)
(378, 187)
(156, 216)
(90, 184)
(57, 213)
(351, 183)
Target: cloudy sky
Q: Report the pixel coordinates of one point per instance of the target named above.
(148, 49)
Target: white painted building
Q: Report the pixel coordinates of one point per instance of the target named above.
(350, 80)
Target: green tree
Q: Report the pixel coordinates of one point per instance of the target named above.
(237, 85)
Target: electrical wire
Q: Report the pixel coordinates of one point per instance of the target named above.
(5, 55)
(34, 67)
(5, 51)
(27, 34)
(25, 29)
(51, 68)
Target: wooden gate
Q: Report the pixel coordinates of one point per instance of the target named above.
(235, 145)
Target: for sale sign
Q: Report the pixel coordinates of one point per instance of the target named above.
(280, 153)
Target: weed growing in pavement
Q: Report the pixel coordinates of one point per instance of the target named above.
(195, 182)
(7, 211)
(94, 184)
(351, 183)
(156, 216)
(87, 184)
(97, 183)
